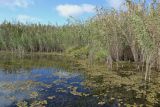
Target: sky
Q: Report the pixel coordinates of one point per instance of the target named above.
(51, 11)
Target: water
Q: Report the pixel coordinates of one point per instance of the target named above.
(40, 84)
(37, 80)
(53, 85)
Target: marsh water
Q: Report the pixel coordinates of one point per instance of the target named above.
(41, 80)
(37, 80)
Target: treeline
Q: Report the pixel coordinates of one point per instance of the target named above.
(129, 34)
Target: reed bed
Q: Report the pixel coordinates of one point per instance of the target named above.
(130, 34)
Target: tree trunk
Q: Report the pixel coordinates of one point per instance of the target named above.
(134, 52)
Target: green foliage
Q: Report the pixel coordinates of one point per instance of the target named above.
(101, 55)
(79, 52)
(142, 36)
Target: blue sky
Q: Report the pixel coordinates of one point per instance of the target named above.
(51, 11)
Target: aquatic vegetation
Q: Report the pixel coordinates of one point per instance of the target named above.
(34, 95)
(38, 103)
(61, 90)
(113, 86)
(73, 90)
(101, 103)
(51, 97)
(22, 104)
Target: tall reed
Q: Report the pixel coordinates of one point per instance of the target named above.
(110, 36)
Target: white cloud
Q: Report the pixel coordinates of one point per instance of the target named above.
(21, 3)
(116, 4)
(26, 18)
(16, 3)
(67, 10)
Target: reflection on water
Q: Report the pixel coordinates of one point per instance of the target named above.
(53, 85)
(40, 81)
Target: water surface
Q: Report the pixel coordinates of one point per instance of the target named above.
(37, 80)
